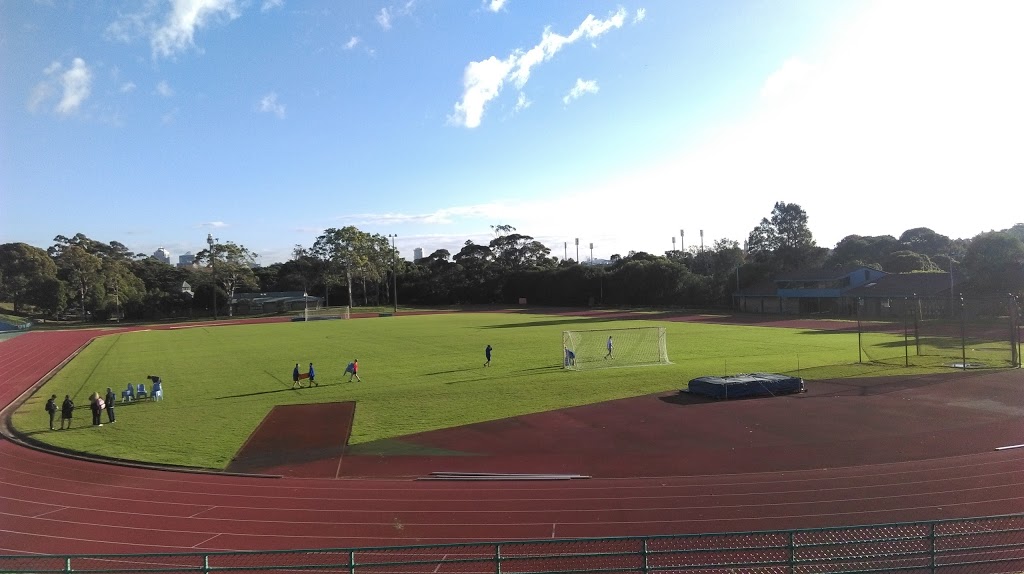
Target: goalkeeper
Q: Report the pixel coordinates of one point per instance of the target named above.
(570, 357)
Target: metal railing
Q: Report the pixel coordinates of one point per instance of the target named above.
(986, 545)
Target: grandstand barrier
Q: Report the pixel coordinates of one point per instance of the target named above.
(974, 545)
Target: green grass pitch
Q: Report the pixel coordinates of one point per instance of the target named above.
(420, 372)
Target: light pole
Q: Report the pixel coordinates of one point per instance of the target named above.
(673, 243)
(394, 267)
(213, 263)
(591, 253)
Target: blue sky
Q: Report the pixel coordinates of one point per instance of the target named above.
(265, 122)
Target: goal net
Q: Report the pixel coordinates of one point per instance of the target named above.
(319, 313)
(606, 348)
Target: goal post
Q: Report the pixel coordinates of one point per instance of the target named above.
(321, 313)
(607, 348)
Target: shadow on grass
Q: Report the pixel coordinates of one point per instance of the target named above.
(453, 371)
(519, 373)
(570, 321)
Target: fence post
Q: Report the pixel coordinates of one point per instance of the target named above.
(206, 562)
(931, 547)
(67, 564)
(352, 561)
(644, 553)
(497, 559)
(792, 552)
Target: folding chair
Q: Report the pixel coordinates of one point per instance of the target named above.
(142, 392)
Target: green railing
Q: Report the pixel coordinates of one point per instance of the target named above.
(992, 544)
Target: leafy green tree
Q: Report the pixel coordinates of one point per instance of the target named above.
(785, 239)
(863, 251)
(925, 241)
(232, 265)
(994, 262)
(340, 253)
(81, 271)
(907, 261)
(24, 270)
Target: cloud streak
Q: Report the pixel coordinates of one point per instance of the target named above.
(177, 33)
(582, 87)
(483, 80)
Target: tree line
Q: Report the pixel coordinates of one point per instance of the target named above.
(81, 277)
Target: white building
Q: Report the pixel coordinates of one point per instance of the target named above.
(162, 255)
(417, 254)
(186, 260)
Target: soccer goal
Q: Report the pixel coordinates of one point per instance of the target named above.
(606, 348)
(322, 313)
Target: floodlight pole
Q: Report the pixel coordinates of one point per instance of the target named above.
(963, 334)
(591, 253)
(394, 268)
(213, 263)
(860, 347)
(577, 250)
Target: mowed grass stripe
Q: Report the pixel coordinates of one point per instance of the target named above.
(420, 373)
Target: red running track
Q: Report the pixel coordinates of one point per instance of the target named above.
(52, 504)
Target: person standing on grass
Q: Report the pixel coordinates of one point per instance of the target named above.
(110, 399)
(354, 365)
(487, 353)
(94, 406)
(51, 409)
(609, 345)
(66, 409)
(295, 377)
(311, 375)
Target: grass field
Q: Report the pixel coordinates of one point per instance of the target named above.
(419, 373)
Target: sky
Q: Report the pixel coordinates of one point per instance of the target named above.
(638, 125)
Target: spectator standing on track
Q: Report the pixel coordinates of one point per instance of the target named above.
(66, 409)
(51, 409)
(609, 345)
(295, 377)
(311, 376)
(487, 353)
(110, 399)
(354, 366)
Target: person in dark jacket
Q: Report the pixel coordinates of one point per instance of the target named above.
(66, 409)
(51, 409)
(110, 400)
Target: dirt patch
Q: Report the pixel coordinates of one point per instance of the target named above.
(304, 441)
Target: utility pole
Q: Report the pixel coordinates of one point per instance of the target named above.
(394, 267)
(210, 240)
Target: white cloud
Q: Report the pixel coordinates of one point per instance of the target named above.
(912, 118)
(164, 89)
(185, 17)
(76, 83)
(791, 75)
(352, 42)
(127, 87)
(582, 87)
(269, 5)
(482, 81)
(640, 15)
(269, 104)
(384, 18)
(521, 102)
(212, 225)
(495, 5)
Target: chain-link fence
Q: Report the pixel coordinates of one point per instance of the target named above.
(969, 333)
(969, 546)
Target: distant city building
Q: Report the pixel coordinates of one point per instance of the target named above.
(186, 260)
(162, 255)
(417, 254)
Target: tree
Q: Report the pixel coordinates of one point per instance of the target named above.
(340, 253)
(925, 241)
(24, 270)
(994, 262)
(785, 239)
(233, 268)
(906, 262)
(81, 271)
